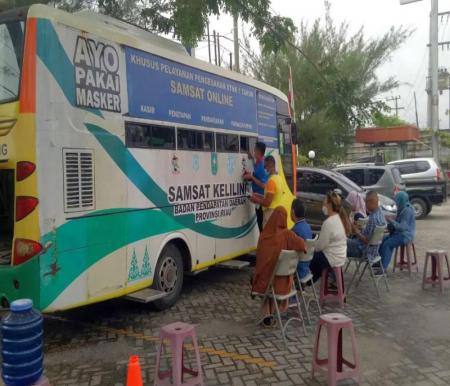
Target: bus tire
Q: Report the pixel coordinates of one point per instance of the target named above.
(168, 276)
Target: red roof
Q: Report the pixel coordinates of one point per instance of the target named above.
(387, 134)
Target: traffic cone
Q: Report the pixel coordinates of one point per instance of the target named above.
(134, 375)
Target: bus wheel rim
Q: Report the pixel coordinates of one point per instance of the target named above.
(168, 274)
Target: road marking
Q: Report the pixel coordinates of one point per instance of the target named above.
(207, 350)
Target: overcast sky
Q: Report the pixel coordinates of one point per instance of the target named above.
(409, 64)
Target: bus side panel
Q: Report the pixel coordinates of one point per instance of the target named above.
(78, 241)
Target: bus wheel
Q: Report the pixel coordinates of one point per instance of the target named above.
(168, 276)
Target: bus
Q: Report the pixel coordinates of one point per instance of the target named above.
(121, 159)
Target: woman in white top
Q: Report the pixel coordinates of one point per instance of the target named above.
(331, 248)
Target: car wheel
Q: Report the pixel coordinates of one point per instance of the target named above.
(420, 207)
(168, 276)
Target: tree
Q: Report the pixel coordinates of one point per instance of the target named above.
(335, 81)
(382, 120)
(186, 19)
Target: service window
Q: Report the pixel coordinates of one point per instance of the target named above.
(227, 143)
(356, 175)
(195, 140)
(374, 175)
(139, 135)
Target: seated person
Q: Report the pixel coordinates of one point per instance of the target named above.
(303, 230)
(401, 230)
(331, 248)
(357, 247)
(274, 238)
(358, 206)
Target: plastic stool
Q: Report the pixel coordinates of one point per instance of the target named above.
(332, 295)
(176, 333)
(410, 262)
(437, 269)
(333, 365)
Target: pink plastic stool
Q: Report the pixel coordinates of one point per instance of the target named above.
(176, 333)
(332, 295)
(333, 365)
(437, 269)
(411, 259)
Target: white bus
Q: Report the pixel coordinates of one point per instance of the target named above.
(121, 159)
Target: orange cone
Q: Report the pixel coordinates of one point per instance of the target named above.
(134, 376)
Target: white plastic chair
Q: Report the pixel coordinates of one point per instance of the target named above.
(285, 267)
(375, 240)
(305, 258)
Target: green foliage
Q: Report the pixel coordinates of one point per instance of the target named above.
(382, 120)
(335, 81)
(444, 139)
(185, 19)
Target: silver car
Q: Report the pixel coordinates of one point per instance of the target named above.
(383, 179)
(425, 181)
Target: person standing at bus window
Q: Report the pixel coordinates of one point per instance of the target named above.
(258, 178)
(273, 192)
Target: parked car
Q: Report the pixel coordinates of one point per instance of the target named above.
(383, 179)
(426, 184)
(314, 183)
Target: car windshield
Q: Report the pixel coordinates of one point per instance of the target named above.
(11, 48)
(346, 183)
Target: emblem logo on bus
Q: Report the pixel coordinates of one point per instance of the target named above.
(214, 164)
(230, 164)
(175, 165)
(195, 162)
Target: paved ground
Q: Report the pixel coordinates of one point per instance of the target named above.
(404, 337)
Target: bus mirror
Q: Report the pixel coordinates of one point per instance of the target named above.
(294, 133)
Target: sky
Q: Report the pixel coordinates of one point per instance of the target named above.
(409, 64)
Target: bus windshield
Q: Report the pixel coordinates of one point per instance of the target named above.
(11, 49)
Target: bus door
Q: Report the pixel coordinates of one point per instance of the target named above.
(287, 137)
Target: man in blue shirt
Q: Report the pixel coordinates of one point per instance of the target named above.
(258, 178)
(358, 247)
(303, 230)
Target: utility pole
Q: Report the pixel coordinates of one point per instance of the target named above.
(231, 61)
(219, 55)
(417, 115)
(432, 81)
(209, 42)
(434, 63)
(396, 99)
(236, 42)
(215, 47)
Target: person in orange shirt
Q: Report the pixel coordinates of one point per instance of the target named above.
(273, 191)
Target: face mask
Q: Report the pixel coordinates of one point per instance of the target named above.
(325, 210)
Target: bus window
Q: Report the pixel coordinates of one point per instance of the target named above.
(228, 143)
(11, 43)
(195, 140)
(244, 144)
(139, 135)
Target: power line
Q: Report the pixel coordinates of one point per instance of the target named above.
(395, 99)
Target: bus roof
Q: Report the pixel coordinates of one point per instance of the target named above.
(130, 35)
